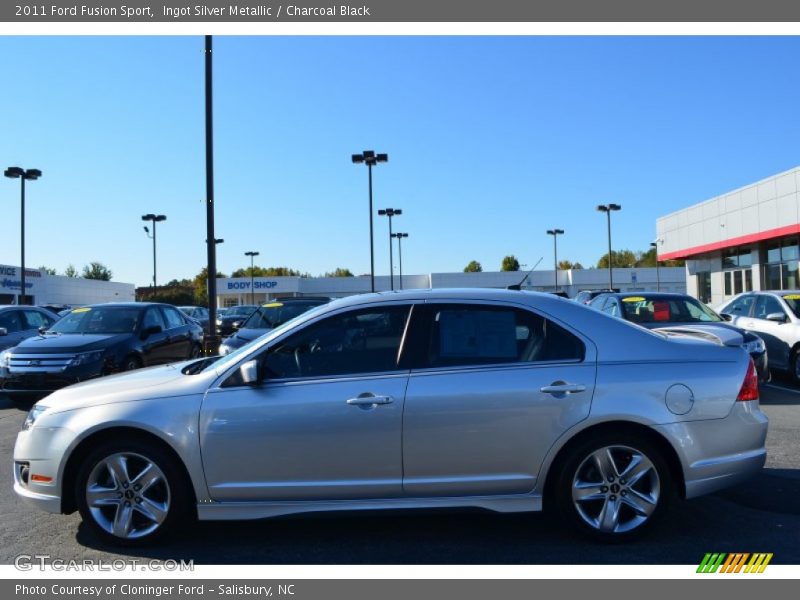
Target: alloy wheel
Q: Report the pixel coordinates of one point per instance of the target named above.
(128, 495)
(616, 489)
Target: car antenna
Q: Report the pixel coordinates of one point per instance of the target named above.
(518, 286)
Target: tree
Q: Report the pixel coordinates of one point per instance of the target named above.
(48, 270)
(566, 265)
(97, 270)
(266, 272)
(71, 271)
(510, 263)
(200, 283)
(339, 272)
(473, 267)
(619, 258)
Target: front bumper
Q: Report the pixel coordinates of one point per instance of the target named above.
(46, 382)
(40, 451)
(718, 453)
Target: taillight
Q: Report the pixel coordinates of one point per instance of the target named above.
(749, 389)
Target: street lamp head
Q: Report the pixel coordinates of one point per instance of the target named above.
(399, 235)
(358, 158)
(33, 174)
(555, 231)
(147, 230)
(160, 218)
(382, 158)
(148, 217)
(369, 154)
(614, 207)
(251, 253)
(653, 244)
(14, 172)
(389, 212)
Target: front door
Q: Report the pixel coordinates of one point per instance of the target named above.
(326, 421)
(493, 388)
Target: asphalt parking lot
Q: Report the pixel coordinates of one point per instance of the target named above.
(762, 515)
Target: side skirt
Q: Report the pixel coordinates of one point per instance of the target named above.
(227, 511)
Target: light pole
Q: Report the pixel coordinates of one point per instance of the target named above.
(390, 212)
(252, 256)
(400, 237)
(23, 175)
(654, 246)
(608, 209)
(555, 233)
(154, 219)
(371, 159)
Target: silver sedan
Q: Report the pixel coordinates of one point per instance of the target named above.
(505, 400)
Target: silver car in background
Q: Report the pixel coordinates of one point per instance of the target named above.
(775, 317)
(505, 400)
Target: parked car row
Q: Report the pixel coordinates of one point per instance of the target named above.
(498, 399)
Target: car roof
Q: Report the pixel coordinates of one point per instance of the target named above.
(661, 295)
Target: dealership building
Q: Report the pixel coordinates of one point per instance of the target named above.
(739, 241)
(41, 288)
(234, 291)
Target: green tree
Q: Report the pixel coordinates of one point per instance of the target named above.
(200, 284)
(339, 272)
(566, 265)
(266, 272)
(619, 258)
(71, 271)
(473, 267)
(510, 263)
(97, 270)
(48, 270)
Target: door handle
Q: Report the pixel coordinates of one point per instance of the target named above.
(369, 400)
(560, 387)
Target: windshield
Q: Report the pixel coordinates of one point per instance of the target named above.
(273, 314)
(229, 359)
(645, 309)
(239, 311)
(104, 319)
(793, 302)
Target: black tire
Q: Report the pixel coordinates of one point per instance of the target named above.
(173, 488)
(131, 363)
(577, 465)
(794, 365)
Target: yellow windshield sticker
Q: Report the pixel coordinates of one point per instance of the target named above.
(80, 310)
(792, 297)
(272, 305)
(633, 299)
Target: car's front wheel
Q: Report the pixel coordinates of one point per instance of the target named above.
(131, 492)
(614, 487)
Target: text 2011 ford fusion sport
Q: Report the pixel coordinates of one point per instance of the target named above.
(505, 400)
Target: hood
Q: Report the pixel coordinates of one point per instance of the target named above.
(69, 342)
(142, 384)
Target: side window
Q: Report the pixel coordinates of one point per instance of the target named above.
(350, 343)
(741, 306)
(475, 335)
(597, 302)
(36, 319)
(11, 320)
(611, 308)
(766, 305)
(173, 317)
(153, 318)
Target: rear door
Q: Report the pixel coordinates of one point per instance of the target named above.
(155, 347)
(491, 388)
(14, 323)
(179, 340)
(773, 333)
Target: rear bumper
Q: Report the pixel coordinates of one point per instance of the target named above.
(718, 453)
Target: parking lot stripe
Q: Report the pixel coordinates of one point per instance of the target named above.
(780, 387)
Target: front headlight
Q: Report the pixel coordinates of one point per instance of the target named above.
(86, 358)
(33, 414)
(755, 346)
(5, 359)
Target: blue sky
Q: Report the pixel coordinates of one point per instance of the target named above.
(491, 141)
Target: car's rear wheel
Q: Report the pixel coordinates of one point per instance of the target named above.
(130, 492)
(614, 487)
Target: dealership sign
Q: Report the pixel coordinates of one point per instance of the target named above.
(257, 285)
(9, 277)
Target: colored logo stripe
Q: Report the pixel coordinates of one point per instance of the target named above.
(734, 562)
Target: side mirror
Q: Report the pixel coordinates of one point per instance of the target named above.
(153, 329)
(3, 331)
(237, 324)
(726, 316)
(777, 317)
(249, 372)
(42, 329)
